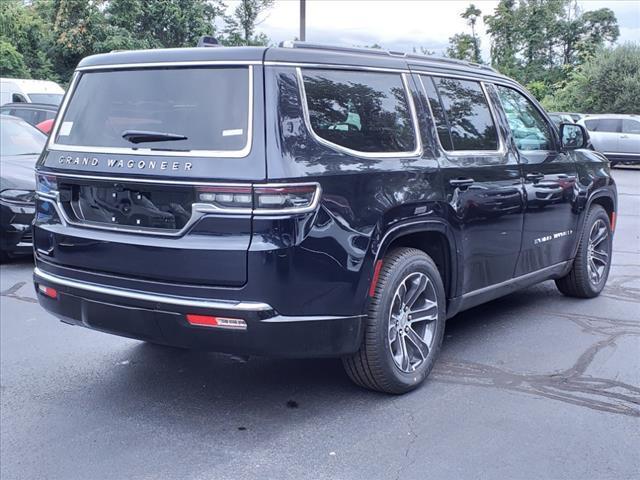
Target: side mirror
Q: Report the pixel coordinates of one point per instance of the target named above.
(573, 136)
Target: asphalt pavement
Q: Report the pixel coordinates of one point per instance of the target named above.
(533, 385)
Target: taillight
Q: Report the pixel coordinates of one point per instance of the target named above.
(220, 322)
(261, 199)
(48, 291)
(226, 197)
(286, 198)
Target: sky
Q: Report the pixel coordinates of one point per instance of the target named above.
(404, 24)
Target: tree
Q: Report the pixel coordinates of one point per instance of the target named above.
(609, 82)
(471, 15)
(462, 47)
(241, 26)
(503, 29)
(11, 62)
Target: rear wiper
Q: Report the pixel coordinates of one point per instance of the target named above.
(139, 136)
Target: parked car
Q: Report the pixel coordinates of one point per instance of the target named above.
(32, 113)
(617, 136)
(19, 150)
(16, 90)
(309, 201)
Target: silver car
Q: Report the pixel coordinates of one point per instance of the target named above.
(617, 136)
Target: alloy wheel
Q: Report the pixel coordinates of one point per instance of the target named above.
(598, 251)
(412, 321)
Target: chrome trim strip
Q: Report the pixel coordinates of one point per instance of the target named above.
(414, 119)
(333, 66)
(623, 154)
(153, 297)
(24, 244)
(502, 148)
(51, 145)
(192, 63)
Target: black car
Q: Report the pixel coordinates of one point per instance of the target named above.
(19, 150)
(309, 201)
(32, 113)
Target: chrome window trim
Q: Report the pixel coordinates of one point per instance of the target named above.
(243, 152)
(153, 297)
(414, 120)
(502, 148)
(190, 63)
(336, 66)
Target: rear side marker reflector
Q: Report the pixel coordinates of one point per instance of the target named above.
(613, 221)
(218, 322)
(48, 291)
(374, 280)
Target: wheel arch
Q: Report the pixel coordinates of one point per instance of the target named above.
(433, 237)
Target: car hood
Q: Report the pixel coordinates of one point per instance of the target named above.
(18, 171)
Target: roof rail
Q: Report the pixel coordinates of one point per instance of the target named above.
(379, 51)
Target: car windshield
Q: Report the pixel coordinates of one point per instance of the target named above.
(48, 98)
(179, 109)
(20, 138)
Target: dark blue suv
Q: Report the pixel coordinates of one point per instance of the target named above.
(309, 201)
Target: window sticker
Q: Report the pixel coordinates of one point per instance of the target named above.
(232, 133)
(65, 128)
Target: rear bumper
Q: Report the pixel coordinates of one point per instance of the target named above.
(162, 319)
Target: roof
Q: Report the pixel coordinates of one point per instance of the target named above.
(34, 86)
(291, 52)
(592, 116)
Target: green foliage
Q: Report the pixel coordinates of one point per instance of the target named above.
(462, 47)
(471, 15)
(11, 61)
(609, 82)
(47, 38)
(240, 27)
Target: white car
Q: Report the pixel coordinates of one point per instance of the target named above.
(15, 90)
(617, 136)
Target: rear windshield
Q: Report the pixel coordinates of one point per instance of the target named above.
(198, 108)
(49, 98)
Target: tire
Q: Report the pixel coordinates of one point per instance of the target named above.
(380, 364)
(580, 282)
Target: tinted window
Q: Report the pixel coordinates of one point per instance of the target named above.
(630, 126)
(528, 127)
(209, 106)
(603, 125)
(438, 113)
(28, 115)
(468, 114)
(363, 111)
(19, 138)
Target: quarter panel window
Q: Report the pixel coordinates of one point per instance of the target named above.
(528, 127)
(362, 111)
(438, 113)
(467, 113)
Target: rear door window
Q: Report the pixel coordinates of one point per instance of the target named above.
(610, 125)
(469, 123)
(366, 112)
(202, 109)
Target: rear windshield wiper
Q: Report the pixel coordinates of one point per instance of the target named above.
(139, 136)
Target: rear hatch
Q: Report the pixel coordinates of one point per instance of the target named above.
(150, 166)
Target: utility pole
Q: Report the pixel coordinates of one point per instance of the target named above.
(303, 20)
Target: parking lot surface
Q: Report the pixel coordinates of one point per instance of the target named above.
(533, 385)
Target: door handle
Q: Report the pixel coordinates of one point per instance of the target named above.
(534, 176)
(461, 182)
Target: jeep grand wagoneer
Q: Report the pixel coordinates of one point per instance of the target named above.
(309, 201)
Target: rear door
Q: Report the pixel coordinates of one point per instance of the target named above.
(550, 221)
(606, 133)
(630, 137)
(482, 180)
(150, 172)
